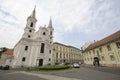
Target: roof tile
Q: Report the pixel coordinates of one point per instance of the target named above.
(104, 41)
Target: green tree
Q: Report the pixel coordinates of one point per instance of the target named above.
(3, 49)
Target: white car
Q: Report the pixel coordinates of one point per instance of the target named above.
(76, 65)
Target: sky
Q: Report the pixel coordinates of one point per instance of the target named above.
(75, 22)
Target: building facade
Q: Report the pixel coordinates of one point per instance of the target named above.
(86, 45)
(34, 48)
(65, 54)
(7, 57)
(107, 51)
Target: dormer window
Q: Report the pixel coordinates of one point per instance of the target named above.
(50, 51)
(43, 33)
(31, 25)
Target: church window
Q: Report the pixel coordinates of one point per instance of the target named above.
(23, 59)
(50, 51)
(31, 25)
(43, 33)
(29, 36)
(49, 59)
(30, 30)
(51, 33)
(50, 37)
(42, 48)
(26, 48)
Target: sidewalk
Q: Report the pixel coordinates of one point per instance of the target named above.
(49, 77)
(113, 70)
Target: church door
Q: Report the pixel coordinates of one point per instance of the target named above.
(40, 62)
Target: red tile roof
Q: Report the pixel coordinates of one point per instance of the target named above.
(106, 40)
(9, 52)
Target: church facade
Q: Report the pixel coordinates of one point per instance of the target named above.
(34, 49)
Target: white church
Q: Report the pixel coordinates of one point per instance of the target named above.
(34, 49)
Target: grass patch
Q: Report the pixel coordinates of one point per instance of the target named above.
(50, 68)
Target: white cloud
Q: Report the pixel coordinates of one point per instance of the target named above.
(87, 17)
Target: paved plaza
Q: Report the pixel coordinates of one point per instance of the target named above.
(83, 73)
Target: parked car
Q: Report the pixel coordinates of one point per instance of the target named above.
(76, 65)
(4, 67)
(7, 67)
(1, 67)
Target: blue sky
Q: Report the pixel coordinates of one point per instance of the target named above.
(76, 22)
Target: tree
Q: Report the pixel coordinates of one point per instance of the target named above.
(3, 49)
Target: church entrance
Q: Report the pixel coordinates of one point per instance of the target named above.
(40, 62)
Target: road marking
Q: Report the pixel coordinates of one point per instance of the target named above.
(49, 77)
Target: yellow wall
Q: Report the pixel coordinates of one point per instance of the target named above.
(105, 53)
(66, 54)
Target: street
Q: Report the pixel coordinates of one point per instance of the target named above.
(83, 73)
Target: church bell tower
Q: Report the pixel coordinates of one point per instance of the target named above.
(30, 26)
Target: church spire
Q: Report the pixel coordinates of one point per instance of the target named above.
(33, 13)
(50, 23)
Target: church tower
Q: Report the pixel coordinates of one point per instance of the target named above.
(34, 49)
(50, 29)
(30, 26)
(50, 33)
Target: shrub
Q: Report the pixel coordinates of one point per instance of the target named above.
(50, 68)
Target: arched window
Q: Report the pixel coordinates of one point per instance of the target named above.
(50, 51)
(28, 36)
(26, 48)
(30, 30)
(49, 59)
(51, 33)
(43, 33)
(31, 25)
(42, 48)
(23, 59)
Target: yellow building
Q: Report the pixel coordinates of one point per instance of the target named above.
(106, 50)
(65, 54)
